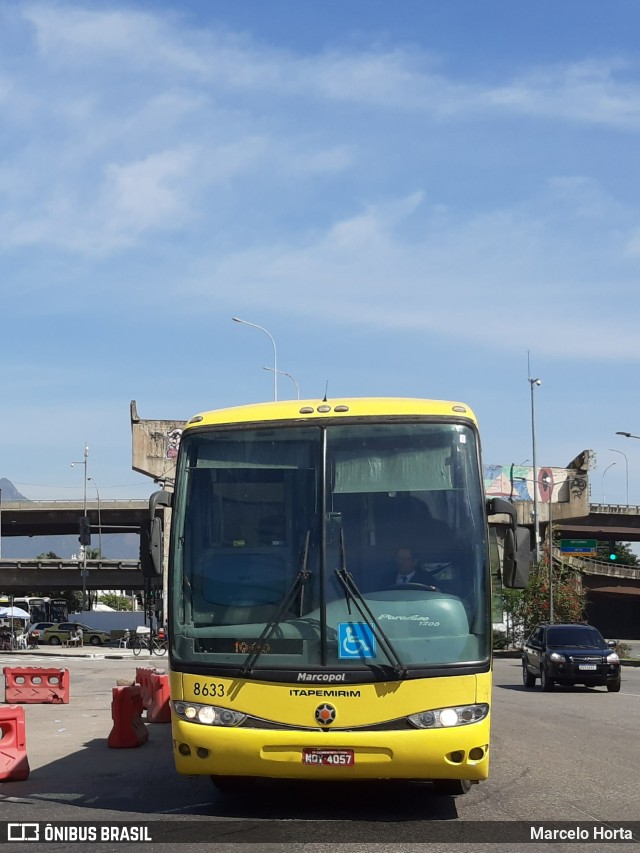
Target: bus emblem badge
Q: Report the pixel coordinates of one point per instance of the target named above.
(325, 715)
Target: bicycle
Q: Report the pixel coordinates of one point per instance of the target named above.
(159, 647)
(153, 644)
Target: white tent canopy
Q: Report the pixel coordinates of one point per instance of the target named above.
(14, 613)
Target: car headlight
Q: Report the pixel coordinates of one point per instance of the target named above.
(557, 657)
(444, 718)
(207, 715)
(613, 657)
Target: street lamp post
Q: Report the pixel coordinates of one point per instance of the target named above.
(534, 383)
(284, 373)
(275, 354)
(626, 467)
(84, 514)
(0, 522)
(603, 473)
(99, 518)
(550, 561)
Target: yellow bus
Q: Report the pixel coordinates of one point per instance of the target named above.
(329, 592)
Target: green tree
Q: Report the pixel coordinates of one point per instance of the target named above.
(512, 607)
(624, 556)
(568, 596)
(118, 602)
(50, 555)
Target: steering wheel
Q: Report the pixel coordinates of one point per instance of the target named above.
(414, 586)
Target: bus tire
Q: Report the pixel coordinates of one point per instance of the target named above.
(232, 784)
(451, 787)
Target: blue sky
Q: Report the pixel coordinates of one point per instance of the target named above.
(410, 197)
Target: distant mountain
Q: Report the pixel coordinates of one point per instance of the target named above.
(9, 491)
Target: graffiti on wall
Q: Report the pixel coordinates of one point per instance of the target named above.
(173, 443)
(517, 482)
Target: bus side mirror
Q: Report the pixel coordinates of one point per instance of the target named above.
(499, 506)
(517, 558)
(152, 536)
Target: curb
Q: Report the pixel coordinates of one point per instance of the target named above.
(65, 654)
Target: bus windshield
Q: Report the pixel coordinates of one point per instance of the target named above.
(270, 522)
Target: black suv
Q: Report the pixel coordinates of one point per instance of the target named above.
(570, 654)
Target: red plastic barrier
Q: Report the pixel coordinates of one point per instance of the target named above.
(36, 685)
(14, 764)
(143, 678)
(159, 710)
(126, 711)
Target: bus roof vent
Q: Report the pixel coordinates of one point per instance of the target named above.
(459, 408)
(324, 408)
(306, 410)
(196, 419)
(341, 409)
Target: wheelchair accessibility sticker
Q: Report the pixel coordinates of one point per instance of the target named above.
(355, 640)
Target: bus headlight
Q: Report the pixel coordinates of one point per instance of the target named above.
(207, 715)
(444, 718)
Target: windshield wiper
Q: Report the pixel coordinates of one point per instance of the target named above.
(297, 584)
(352, 593)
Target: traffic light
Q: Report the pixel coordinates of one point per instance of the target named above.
(612, 555)
(84, 528)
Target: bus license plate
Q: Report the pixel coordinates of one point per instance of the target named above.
(331, 757)
(587, 666)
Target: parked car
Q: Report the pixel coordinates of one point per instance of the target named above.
(570, 654)
(60, 633)
(35, 632)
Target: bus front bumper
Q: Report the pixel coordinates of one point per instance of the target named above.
(460, 752)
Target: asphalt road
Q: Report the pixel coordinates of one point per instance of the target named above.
(571, 755)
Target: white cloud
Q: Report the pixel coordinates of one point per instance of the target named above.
(587, 92)
(135, 197)
(67, 35)
(130, 126)
(493, 279)
(148, 193)
(397, 79)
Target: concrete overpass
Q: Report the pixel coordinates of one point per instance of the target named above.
(604, 522)
(613, 594)
(19, 577)
(59, 518)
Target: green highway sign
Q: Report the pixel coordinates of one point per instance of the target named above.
(579, 546)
